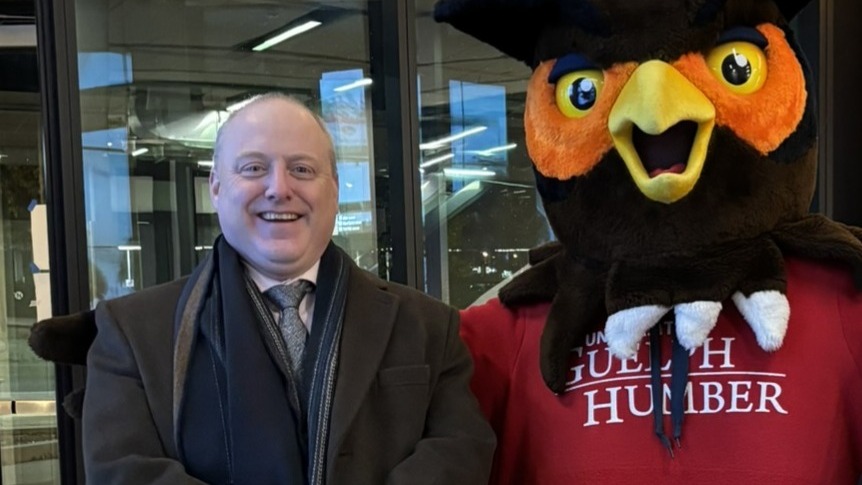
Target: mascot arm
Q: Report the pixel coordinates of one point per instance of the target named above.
(492, 334)
(120, 438)
(64, 339)
(851, 319)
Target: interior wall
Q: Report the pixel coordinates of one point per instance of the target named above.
(841, 78)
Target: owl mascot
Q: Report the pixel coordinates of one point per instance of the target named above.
(693, 323)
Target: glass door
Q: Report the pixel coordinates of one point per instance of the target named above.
(28, 426)
(157, 80)
(480, 209)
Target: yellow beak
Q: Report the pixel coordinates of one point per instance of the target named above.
(655, 100)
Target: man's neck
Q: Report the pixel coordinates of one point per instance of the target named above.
(265, 282)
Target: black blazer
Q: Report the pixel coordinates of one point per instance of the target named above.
(402, 413)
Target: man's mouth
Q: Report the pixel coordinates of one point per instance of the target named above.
(279, 216)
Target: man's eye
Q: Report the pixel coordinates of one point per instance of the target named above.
(302, 171)
(252, 168)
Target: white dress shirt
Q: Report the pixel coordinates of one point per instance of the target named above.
(306, 306)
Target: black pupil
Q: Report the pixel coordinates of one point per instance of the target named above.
(582, 93)
(736, 69)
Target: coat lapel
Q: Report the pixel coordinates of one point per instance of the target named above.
(368, 319)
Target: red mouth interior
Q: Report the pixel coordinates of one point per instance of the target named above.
(667, 152)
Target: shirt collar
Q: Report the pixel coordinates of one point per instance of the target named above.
(264, 282)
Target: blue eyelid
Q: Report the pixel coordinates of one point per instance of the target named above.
(569, 63)
(743, 34)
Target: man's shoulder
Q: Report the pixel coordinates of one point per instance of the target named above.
(162, 297)
(407, 295)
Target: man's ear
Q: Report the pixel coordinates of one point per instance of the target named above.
(215, 185)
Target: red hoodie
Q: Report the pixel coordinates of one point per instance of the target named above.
(790, 417)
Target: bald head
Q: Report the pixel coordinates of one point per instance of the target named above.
(272, 97)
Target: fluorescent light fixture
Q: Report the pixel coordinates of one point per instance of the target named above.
(366, 81)
(435, 161)
(463, 172)
(449, 139)
(291, 32)
(238, 105)
(129, 248)
(205, 163)
(501, 148)
(140, 151)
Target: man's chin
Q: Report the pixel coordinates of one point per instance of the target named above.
(280, 269)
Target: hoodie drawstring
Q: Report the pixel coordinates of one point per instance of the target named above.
(678, 383)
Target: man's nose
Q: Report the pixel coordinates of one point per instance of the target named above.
(279, 184)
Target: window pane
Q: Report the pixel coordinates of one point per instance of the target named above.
(157, 79)
(481, 212)
(28, 423)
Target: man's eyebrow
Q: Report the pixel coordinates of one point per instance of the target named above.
(300, 157)
(251, 154)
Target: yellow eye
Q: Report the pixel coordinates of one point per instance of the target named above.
(740, 66)
(577, 92)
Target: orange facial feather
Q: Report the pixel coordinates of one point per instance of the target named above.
(563, 147)
(767, 117)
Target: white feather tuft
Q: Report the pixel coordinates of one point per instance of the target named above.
(625, 329)
(694, 321)
(767, 313)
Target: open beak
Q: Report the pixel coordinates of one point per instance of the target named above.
(661, 125)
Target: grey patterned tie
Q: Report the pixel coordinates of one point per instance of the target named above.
(287, 298)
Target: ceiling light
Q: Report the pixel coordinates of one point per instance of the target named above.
(291, 32)
(435, 161)
(366, 81)
(238, 105)
(140, 151)
(491, 151)
(205, 163)
(463, 172)
(442, 141)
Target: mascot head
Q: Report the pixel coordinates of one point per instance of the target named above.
(646, 118)
(674, 147)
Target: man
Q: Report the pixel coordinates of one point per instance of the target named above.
(211, 379)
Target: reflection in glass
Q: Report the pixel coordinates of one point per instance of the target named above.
(158, 79)
(481, 213)
(28, 424)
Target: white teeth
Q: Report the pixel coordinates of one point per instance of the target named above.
(279, 216)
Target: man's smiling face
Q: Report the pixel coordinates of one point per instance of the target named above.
(273, 187)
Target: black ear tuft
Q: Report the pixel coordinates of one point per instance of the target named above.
(789, 8)
(66, 339)
(512, 26)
